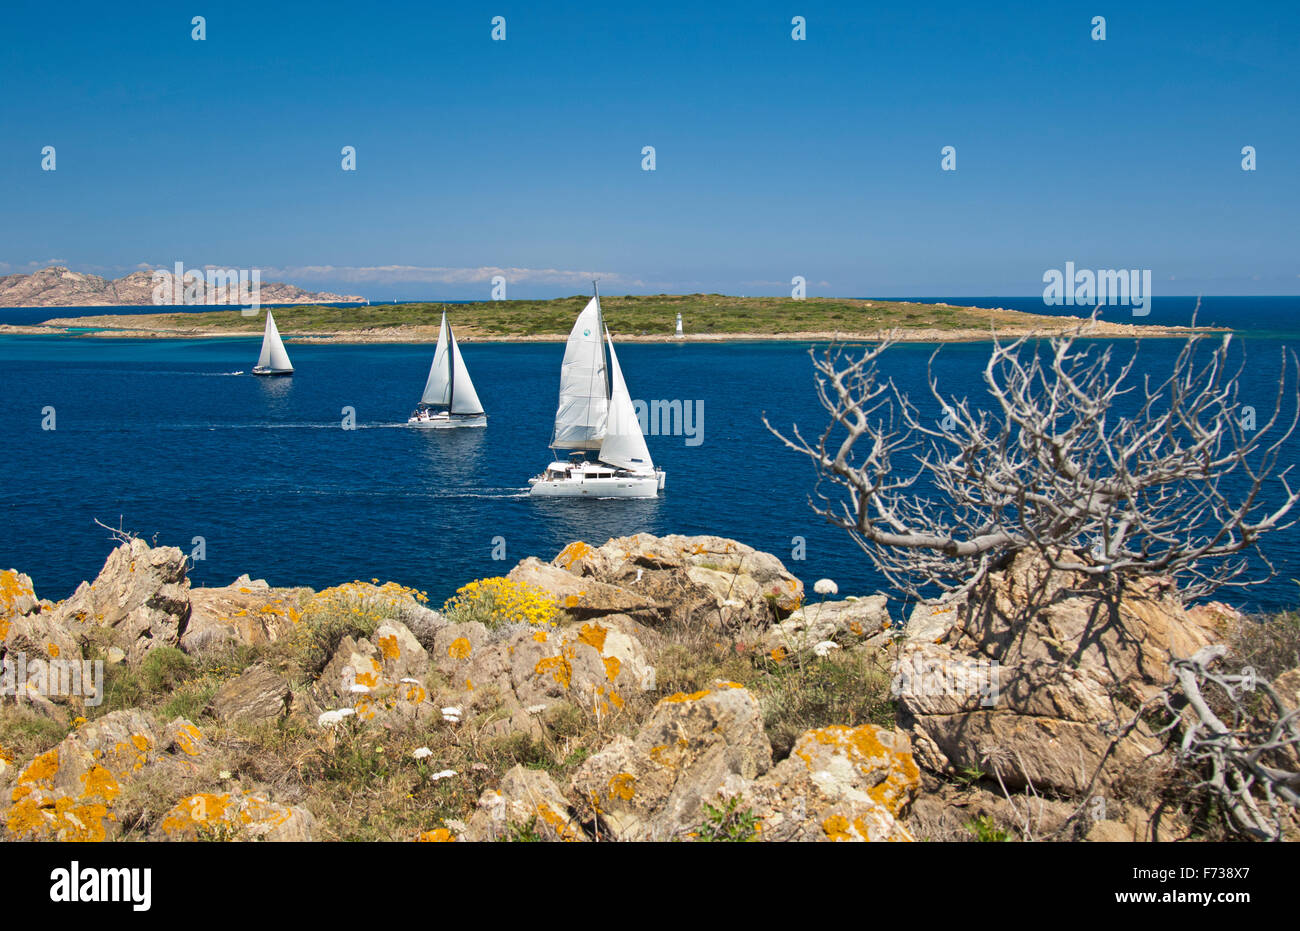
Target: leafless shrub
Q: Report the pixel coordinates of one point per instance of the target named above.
(1071, 454)
(1246, 756)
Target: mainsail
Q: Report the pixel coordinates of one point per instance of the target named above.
(437, 390)
(584, 390)
(449, 383)
(624, 444)
(273, 355)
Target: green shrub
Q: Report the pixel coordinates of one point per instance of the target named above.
(728, 823)
(165, 668)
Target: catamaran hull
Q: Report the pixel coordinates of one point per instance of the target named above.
(627, 486)
(444, 422)
(258, 370)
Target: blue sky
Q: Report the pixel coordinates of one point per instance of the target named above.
(774, 158)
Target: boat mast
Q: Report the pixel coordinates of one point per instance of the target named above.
(601, 331)
(451, 366)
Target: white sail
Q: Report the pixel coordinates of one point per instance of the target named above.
(437, 389)
(624, 443)
(464, 399)
(273, 355)
(584, 401)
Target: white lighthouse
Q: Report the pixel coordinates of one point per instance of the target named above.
(679, 326)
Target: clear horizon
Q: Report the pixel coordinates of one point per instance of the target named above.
(774, 158)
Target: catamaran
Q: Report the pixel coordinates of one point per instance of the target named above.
(596, 414)
(449, 398)
(273, 360)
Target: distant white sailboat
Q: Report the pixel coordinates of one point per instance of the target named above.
(449, 398)
(596, 414)
(273, 359)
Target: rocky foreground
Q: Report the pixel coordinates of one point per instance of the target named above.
(646, 689)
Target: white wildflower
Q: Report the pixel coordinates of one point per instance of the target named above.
(445, 774)
(422, 753)
(451, 715)
(825, 647)
(334, 718)
(826, 587)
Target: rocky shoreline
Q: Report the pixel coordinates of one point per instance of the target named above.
(649, 688)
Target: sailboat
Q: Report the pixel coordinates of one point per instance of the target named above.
(596, 414)
(273, 359)
(449, 398)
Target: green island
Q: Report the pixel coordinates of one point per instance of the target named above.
(629, 317)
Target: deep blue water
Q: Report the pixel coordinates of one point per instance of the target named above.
(161, 434)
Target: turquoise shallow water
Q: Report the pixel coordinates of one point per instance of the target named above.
(162, 435)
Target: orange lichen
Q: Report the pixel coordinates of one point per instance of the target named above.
(459, 649)
(559, 668)
(622, 786)
(594, 636)
(99, 781)
(539, 636)
(863, 747)
(388, 647)
(189, 739)
(612, 667)
(436, 836)
(572, 553)
(837, 828)
(682, 696)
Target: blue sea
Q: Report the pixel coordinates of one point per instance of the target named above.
(164, 438)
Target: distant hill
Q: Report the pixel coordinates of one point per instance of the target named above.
(57, 286)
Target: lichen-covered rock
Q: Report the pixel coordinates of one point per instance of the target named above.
(527, 802)
(652, 787)
(183, 738)
(247, 612)
(69, 792)
(43, 667)
(139, 601)
(846, 623)
(594, 664)
(40, 636)
(17, 597)
(597, 665)
(379, 677)
(838, 784)
(696, 581)
(256, 695)
(234, 816)
(581, 598)
(930, 623)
